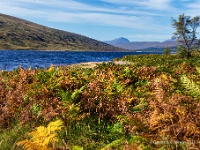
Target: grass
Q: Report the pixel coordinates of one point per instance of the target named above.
(9, 137)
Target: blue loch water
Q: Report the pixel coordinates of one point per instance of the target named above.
(12, 59)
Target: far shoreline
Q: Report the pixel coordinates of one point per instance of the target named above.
(63, 50)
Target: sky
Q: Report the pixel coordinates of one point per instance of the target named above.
(136, 20)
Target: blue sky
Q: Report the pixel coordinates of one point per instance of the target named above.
(137, 20)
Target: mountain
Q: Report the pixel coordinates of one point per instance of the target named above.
(117, 41)
(17, 33)
(146, 45)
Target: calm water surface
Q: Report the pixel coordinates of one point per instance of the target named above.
(12, 59)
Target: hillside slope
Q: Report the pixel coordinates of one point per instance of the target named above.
(17, 33)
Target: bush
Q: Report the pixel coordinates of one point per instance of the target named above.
(182, 52)
(167, 51)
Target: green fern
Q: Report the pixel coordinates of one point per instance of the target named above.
(198, 69)
(115, 144)
(192, 88)
(77, 148)
(143, 103)
(140, 142)
(76, 93)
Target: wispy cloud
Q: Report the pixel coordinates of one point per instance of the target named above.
(72, 5)
(21, 11)
(195, 5)
(77, 12)
(105, 19)
(192, 9)
(150, 4)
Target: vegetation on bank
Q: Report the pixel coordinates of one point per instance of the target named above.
(152, 102)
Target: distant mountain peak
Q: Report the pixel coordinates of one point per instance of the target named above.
(120, 40)
(142, 45)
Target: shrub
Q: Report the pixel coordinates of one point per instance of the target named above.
(167, 51)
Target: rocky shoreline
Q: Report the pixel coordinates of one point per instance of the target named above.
(94, 64)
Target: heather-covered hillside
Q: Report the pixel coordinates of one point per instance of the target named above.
(16, 33)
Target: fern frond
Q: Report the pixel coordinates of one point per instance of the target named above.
(50, 139)
(51, 68)
(115, 144)
(28, 145)
(77, 92)
(192, 88)
(198, 69)
(158, 89)
(54, 126)
(42, 137)
(140, 142)
(77, 148)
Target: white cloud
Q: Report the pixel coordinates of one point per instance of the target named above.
(72, 5)
(22, 12)
(104, 19)
(76, 12)
(193, 9)
(195, 5)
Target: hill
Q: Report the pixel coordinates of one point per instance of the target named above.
(117, 41)
(145, 45)
(17, 33)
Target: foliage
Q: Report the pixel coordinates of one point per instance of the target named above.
(181, 51)
(139, 142)
(190, 86)
(186, 32)
(167, 51)
(9, 137)
(151, 102)
(77, 148)
(42, 137)
(114, 144)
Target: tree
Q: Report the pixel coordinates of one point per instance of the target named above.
(186, 30)
(167, 50)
